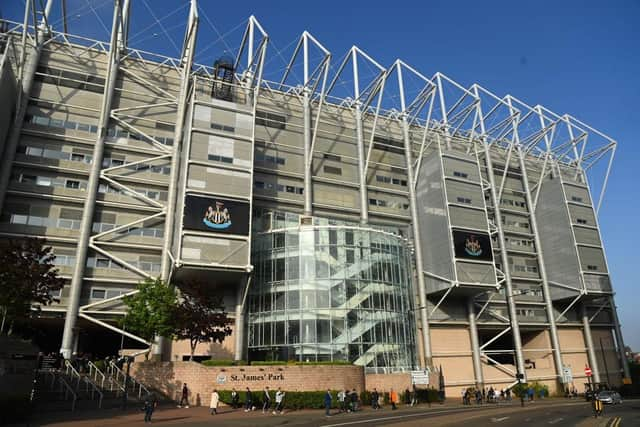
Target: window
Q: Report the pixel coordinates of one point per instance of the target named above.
(385, 179)
(592, 267)
(272, 120)
(577, 199)
(72, 184)
(460, 174)
(332, 157)
(581, 221)
(222, 159)
(332, 170)
(388, 144)
(225, 128)
(103, 262)
(464, 200)
(98, 293)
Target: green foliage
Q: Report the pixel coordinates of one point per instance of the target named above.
(27, 278)
(14, 408)
(151, 310)
(224, 362)
(200, 317)
(522, 388)
(428, 395)
(292, 399)
(297, 363)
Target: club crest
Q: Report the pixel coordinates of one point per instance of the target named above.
(218, 218)
(472, 246)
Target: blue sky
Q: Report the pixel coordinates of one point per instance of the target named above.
(576, 57)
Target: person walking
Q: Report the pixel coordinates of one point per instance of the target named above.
(327, 403)
(414, 396)
(248, 401)
(354, 400)
(393, 397)
(342, 395)
(279, 401)
(150, 403)
(374, 399)
(266, 400)
(213, 405)
(234, 398)
(184, 400)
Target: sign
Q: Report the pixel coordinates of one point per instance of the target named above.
(262, 377)
(216, 215)
(221, 379)
(587, 371)
(472, 245)
(420, 377)
(567, 375)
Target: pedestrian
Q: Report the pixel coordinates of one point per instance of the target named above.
(484, 395)
(150, 403)
(354, 400)
(215, 399)
(478, 397)
(407, 397)
(279, 401)
(266, 400)
(342, 395)
(464, 396)
(327, 403)
(393, 397)
(531, 393)
(414, 396)
(184, 400)
(374, 399)
(508, 395)
(248, 401)
(234, 398)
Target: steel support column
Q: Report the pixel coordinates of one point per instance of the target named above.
(555, 341)
(417, 244)
(591, 353)
(308, 159)
(121, 10)
(513, 319)
(362, 168)
(28, 72)
(475, 344)
(619, 339)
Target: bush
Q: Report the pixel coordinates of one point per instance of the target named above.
(14, 408)
(224, 362)
(292, 399)
(522, 388)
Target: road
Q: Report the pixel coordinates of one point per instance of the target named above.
(550, 412)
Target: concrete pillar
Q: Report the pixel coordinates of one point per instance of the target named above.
(475, 345)
(308, 155)
(238, 329)
(619, 338)
(591, 353)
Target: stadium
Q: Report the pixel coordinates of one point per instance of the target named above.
(386, 218)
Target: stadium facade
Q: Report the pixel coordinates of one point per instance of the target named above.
(342, 216)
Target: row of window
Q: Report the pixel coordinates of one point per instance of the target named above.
(387, 204)
(516, 203)
(103, 262)
(577, 199)
(536, 292)
(524, 268)
(272, 120)
(54, 154)
(512, 241)
(460, 174)
(592, 267)
(109, 162)
(70, 79)
(218, 126)
(261, 157)
(581, 221)
(46, 181)
(464, 200)
(107, 293)
(112, 132)
(278, 187)
(515, 223)
(74, 224)
(389, 180)
(152, 194)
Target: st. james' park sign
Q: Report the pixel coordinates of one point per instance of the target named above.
(222, 378)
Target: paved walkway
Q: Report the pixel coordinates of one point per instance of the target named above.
(168, 415)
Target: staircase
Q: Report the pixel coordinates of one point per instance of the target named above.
(67, 389)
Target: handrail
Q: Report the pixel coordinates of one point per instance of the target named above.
(95, 372)
(94, 389)
(72, 372)
(132, 380)
(68, 389)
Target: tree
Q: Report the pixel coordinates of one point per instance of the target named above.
(27, 278)
(151, 310)
(200, 317)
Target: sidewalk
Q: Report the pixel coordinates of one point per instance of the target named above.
(169, 415)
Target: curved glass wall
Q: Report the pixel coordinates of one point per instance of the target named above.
(330, 292)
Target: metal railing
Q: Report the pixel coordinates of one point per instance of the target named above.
(116, 373)
(92, 390)
(68, 390)
(96, 375)
(72, 373)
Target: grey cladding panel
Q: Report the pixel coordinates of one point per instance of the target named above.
(560, 255)
(434, 229)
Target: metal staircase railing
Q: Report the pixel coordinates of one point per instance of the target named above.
(96, 375)
(117, 373)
